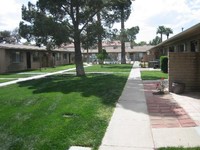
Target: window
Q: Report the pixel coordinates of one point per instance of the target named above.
(65, 56)
(193, 46)
(16, 57)
(171, 49)
(58, 56)
(35, 56)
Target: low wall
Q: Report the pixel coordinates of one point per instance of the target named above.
(185, 68)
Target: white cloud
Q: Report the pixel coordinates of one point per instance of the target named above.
(10, 13)
(147, 14)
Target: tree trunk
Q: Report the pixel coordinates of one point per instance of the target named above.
(123, 53)
(99, 35)
(161, 37)
(78, 55)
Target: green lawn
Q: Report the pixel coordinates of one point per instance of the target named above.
(24, 74)
(5, 80)
(153, 75)
(57, 112)
(53, 69)
(110, 68)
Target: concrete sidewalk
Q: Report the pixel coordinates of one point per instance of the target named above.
(130, 127)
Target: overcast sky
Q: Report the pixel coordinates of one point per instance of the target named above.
(147, 14)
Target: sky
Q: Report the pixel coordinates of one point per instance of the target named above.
(147, 14)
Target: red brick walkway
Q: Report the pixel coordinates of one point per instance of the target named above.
(164, 111)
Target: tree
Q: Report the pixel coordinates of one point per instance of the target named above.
(131, 34)
(155, 41)
(102, 56)
(161, 31)
(59, 22)
(89, 37)
(10, 37)
(119, 12)
(142, 43)
(168, 31)
(124, 7)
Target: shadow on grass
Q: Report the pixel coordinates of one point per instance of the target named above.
(108, 87)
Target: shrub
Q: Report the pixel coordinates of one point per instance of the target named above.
(164, 64)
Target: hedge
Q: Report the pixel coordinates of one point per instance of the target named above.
(164, 64)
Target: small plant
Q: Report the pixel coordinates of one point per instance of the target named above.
(161, 86)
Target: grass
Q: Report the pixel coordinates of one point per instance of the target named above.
(5, 80)
(57, 112)
(153, 75)
(110, 68)
(179, 148)
(29, 73)
(53, 69)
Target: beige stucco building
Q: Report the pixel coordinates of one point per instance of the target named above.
(183, 51)
(22, 57)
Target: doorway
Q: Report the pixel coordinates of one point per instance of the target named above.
(28, 60)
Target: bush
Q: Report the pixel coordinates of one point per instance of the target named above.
(164, 64)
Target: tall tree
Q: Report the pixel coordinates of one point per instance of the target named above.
(89, 37)
(99, 34)
(155, 41)
(10, 37)
(161, 31)
(168, 31)
(131, 34)
(59, 22)
(120, 11)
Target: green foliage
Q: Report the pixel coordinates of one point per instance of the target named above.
(168, 31)
(142, 43)
(102, 55)
(89, 37)
(163, 30)
(155, 41)
(131, 33)
(10, 36)
(164, 64)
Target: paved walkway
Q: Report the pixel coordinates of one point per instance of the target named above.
(131, 128)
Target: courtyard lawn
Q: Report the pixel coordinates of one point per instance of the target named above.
(5, 80)
(53, 69)
(24, 74)
(57, 112)
(153, 75)
(110, 68)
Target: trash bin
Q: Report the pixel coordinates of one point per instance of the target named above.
(178, 87)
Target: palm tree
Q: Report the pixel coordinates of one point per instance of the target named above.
(161, 31)
(168, 31)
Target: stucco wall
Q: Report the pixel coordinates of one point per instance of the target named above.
(2, 61)
(12, 67)
(185, 68)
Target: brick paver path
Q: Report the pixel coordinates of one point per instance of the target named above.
(164, 111)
